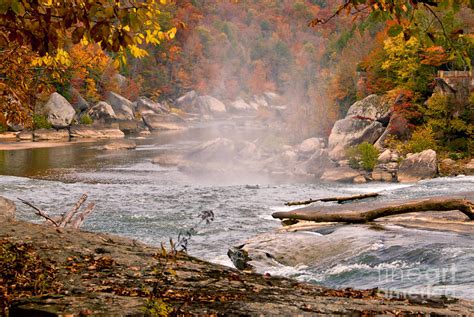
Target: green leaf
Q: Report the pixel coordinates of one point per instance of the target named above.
(18, 7)
(395, 30)
(4, 6)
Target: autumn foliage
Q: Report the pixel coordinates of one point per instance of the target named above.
(233, 49)
(47, 45)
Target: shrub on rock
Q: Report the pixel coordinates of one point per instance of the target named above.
(364, 155)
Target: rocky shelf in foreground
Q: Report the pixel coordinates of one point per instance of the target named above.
(94, 273)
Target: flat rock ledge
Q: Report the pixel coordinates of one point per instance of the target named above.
(107, 275)
(96, 132)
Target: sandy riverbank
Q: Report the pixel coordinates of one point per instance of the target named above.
(13, 146)
(28, 145)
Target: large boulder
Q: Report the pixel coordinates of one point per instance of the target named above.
(385, 156)
(102, 111)
(131, 126)
(316, 165)
(50, 135)
(339, 174)
(95, 132)
(260, 101)
(164, 121)
(469, 168)
(188, 102)
(25, 136)
(146, 106)
(273, 99)
(58, 111)
(397, 126)
(309, 146)
(78, 102)
(249, 151)
(120, 80)
(122, 106)
(448, 167)
(418, 166)
(351, 131)
(220, 149)
(240, 105)
(212, 105)
(254, 105)
(372, 107)
(281, 163)
(7, 209)
(365, 122)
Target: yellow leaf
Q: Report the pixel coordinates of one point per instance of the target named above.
(137, 52)
(172, 33)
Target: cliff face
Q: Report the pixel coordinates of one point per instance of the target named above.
(94, 273)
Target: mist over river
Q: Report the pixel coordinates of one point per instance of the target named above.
(152, 203)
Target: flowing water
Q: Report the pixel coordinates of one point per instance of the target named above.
(151, 203)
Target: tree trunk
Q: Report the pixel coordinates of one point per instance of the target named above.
(350, 213)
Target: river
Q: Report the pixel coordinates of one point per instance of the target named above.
(151, 203)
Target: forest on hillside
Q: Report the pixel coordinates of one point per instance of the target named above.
(232, 49)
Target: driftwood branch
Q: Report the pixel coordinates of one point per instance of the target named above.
(336, 199)
(77, 222)
(39, 212)
(66, 218)
(71, 219)
(348, 215)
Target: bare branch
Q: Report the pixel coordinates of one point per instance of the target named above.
(342, 7)
(66, 218)
(445, 33)
(39, 212)
(79, 220)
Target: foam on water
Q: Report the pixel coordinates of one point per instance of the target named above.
(377, 187)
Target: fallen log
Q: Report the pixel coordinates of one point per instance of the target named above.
(336, 199)
(352, 214)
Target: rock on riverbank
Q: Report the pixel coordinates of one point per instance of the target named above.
(99, 274)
